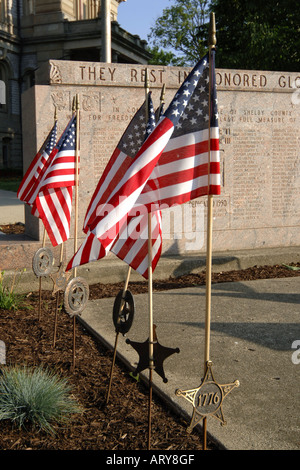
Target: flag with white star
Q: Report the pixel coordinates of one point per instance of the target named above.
(119, 199)
(189, 166)
(53, 202)
(131, 235)
(121, 160)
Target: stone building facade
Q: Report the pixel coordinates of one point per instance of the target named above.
(34, 31)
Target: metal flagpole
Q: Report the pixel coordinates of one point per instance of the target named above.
(212, 43)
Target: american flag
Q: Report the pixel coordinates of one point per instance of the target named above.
(130, 244)
(120, 161)
(120, 201)
(183, 172)
(53, 203)
(29, 185)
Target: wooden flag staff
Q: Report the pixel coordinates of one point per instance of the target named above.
(76, 106)
(212, 44)
(150, 292)
(207, 399)
(40, 277)
(43, 245)
(57, 296)
(120, 309)
(124, 307)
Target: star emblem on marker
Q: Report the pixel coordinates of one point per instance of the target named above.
(207, 399)
(60, 279)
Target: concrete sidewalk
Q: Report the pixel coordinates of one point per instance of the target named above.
(253, 327)
(11, 208)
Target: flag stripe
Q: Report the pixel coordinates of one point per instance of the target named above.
(36, 167)
(121, 201)
(132, 244)
(119, 178)
(53, 201)
(177, 128)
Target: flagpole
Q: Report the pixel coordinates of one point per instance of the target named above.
(40, 278)
(117, 333)
(57, 297)
(44, 236)
(212, 43)
(150, 306)
(76, 108)
(162, 97)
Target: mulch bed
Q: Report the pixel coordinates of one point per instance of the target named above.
(12, 228)
(122, 424)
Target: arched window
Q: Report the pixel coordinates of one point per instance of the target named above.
(3, 87)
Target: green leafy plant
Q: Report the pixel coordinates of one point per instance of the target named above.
(292, 268)
(35, 396)
(9, 299)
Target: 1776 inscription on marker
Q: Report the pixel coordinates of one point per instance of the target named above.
(259, 140)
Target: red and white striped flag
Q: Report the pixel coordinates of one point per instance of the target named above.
(29, 185)
(183, 172)
(121, 198)
(53, 202)
(120, 162)
(131, 244)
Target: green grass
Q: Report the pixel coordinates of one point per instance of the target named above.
(10, 184)
(35, 397)
(10, 180)
(9, 299)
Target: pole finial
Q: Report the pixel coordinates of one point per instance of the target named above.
(146, 79)
(212, 39)
(163, 91)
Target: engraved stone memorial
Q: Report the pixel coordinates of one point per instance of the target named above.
(259, 119)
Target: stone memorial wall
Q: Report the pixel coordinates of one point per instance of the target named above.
(259, 119)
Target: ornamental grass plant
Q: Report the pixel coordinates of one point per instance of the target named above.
(35, 396)
(9, 299)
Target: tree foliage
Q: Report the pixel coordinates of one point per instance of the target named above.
(179, 31)
(257, 35)
(250, 35)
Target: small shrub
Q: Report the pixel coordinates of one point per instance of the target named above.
(35, 396)
(9, 300)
